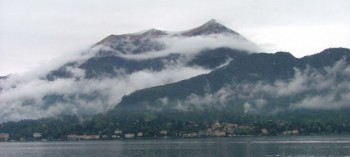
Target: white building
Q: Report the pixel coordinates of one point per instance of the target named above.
(117, 131)
(129, 135)
(139, 134)
(37, 135)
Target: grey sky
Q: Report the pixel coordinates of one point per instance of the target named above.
(34, 32)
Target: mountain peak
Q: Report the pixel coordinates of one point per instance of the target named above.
(134, 36)
(154, 32)
(211, 22)
(210, 27)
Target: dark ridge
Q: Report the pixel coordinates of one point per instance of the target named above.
(260, 67)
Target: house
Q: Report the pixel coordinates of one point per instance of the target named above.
(118, 132)
(231, 125)
(37, 135)
(219, 133)
(210, 132)
(295, 132)
(264, 131)
(82, 137)
(230, 128)
(72, 137)
(4, 136)
(89, 137)
(129, 135)
(105, 137)
(288, 132)
(246, 127)
(163, 132)
(139, 134)
(216, 125)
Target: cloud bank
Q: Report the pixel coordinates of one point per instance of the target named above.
(27, 99)
(32, 96)
(190, 46)
(313, 89)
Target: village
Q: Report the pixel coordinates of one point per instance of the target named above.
(216, 129)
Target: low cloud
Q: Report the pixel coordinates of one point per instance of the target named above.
(26, 98)
(32, 96)
(188, 46)
(310, 88)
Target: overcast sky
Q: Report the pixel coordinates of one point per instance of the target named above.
(35, 32)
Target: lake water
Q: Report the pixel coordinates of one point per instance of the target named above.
(206, 147)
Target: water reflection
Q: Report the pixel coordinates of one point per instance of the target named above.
(209, 147)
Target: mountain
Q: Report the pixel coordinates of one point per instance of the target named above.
(117, 52)
(254, 92)
(176, 80)
(183, 82)
(211, 27)
(119, 65)
(255, 84)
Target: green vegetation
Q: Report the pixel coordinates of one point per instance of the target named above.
(197, 125)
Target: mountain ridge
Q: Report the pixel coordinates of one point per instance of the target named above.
(260, 67)
(147, 41)
(208, 28)
(118, 65)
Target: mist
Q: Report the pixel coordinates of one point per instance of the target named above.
(25, 99)
(308, 89)
(190, 46)
(28, 96)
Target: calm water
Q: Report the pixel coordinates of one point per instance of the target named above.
(209, 147)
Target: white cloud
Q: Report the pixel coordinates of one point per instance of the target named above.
(325, 89)
(190, 46)
(246, 107)
(34, 31)
(25, 98)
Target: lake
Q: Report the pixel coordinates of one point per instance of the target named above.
(197, 147)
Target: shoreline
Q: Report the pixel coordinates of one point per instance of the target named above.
(179, 138)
